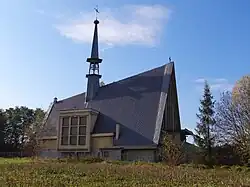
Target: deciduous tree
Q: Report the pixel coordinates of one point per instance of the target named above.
(233, 118)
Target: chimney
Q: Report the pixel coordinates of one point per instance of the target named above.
(93, 76)
(117, 131)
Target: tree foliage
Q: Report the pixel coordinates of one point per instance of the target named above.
(171, 152)
(233, 118)
(19, 126)
(204, 137)
(2, 128)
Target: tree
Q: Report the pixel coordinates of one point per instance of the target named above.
(18, 120)
(233, 118)
(171, 152)
(32, 144)
(204, 136)
(22, 126)
(2, 128)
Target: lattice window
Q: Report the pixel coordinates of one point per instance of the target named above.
(73, 130)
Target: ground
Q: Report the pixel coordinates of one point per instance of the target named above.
(25, 172)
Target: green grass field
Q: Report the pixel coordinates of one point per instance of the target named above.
(25, 172)
(14, 160)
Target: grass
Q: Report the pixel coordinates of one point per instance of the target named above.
(65, 173)
(14, 160)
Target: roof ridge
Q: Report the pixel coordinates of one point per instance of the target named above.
(168, 70)
(124, 79)
(106, 85)
(71, 97)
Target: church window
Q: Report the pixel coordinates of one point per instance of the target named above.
(73, 130)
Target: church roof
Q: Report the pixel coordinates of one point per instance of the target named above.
(136, 103)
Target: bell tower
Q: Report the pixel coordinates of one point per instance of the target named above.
(94, 61)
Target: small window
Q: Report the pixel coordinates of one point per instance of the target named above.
(74, 121)
(65, 121)
(83, 121)
(73, 130)
(73, 140)
(82, 140)
(64, 140)
(82, 130)
(105, 154)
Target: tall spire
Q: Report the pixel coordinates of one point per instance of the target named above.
(94, 51)
(94, 61)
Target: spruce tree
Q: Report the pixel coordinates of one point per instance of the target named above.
(204, 137)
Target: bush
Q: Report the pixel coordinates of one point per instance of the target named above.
(172, 153)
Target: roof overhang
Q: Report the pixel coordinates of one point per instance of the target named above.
(103, 134)
(47, 138)
(72, 111)
(186, 132)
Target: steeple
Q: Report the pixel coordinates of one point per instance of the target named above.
(94, 52)
(94, 61)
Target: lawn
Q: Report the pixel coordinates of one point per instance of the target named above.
(14, 160)
(62, 173)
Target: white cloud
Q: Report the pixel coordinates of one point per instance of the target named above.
(221, 80)
(200, 80)
(131, 24)
(217, 84)
(222, 86)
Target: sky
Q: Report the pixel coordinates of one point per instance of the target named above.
(44, 46)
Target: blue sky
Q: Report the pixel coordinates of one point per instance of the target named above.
(44, 45)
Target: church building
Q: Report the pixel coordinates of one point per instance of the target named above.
(123, 120)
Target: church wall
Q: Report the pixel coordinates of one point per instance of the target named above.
(101, 142)
(171, 122)
(111, 154)
(48, 144)
(175, 136)
(139, 155)
(48, 148)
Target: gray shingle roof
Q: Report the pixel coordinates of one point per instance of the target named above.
(137, 103)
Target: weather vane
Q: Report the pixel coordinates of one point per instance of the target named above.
(96, 11)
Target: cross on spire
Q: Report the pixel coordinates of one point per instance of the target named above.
(96, 11)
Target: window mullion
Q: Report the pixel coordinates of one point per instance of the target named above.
(61, 129)
(77, 133)
(69, 130)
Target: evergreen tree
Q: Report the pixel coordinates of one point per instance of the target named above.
(2, 128)
(204, 137)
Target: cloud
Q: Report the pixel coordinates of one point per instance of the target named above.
(217, 84)
(200, 80)
(131, 24)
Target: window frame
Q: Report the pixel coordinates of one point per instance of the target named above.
(69, 131)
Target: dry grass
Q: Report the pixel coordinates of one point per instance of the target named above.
(54, 173)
